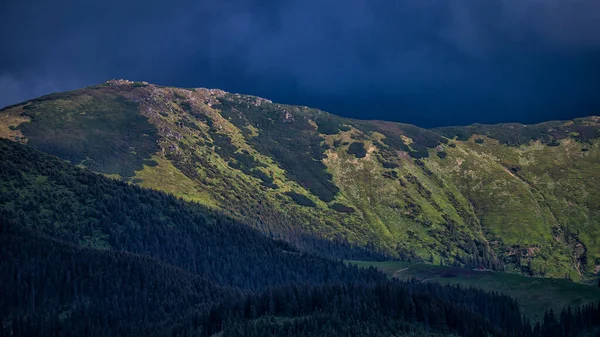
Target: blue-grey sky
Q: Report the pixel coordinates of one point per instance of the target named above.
(426, 62)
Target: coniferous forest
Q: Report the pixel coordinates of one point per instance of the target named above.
(85, 255)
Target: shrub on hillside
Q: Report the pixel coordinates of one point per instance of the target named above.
(301, 199)
(357, 149)
(342, 208)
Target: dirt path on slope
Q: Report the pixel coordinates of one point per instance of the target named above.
(397, 272)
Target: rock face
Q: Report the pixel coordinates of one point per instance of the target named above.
(506, 196)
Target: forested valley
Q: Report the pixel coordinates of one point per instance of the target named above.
(85, 255)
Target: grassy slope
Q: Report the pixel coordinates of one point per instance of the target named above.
(403, 204)
(534, 294)
(289, 169)
(537, 203)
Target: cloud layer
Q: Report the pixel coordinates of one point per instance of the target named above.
(428, 62)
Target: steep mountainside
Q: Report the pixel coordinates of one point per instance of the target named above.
(523, 197)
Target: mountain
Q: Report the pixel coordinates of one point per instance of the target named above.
(510, 196)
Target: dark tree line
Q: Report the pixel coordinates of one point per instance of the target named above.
(52, 288)
(382, 307)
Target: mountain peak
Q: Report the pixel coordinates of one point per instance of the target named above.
(124, 82)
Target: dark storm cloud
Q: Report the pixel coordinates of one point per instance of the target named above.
(428, 62)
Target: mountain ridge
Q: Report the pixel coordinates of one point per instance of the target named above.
(461, 195)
